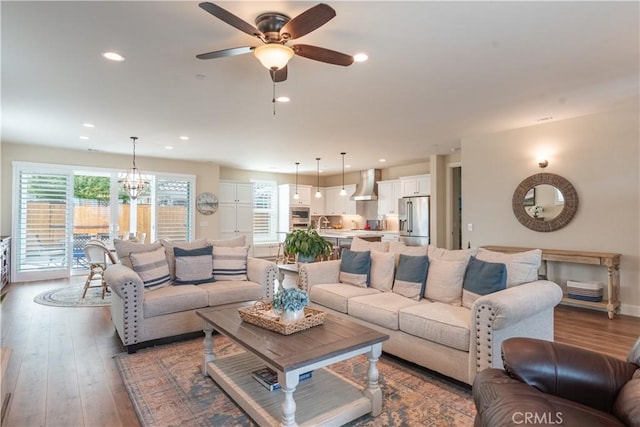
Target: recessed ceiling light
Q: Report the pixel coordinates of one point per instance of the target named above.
(184, 138)
(113, 56)
(84, 137)
(283, 99)
(347, 166)
(168, 147)
(88, 125)
(360, 57)
(382, 160)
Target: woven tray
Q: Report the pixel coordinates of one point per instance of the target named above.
(256, 315)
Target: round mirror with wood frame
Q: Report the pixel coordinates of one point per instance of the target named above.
(524, 190)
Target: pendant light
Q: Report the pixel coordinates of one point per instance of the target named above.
(318, 193)
(134, 182)
(343, 192)
(296, 196)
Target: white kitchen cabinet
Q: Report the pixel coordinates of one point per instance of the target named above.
(417, 185)
(388, 194)
(265, 250)
(235, 208)
(340, 205)
(288, 191)
(318, 203)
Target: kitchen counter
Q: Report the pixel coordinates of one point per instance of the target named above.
(350, 234)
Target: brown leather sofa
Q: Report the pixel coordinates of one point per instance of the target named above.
(552, 384)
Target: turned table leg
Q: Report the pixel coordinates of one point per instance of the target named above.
(289, 382)
(209, 356)
(373, 391)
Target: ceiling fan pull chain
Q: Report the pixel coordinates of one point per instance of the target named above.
(273, 81)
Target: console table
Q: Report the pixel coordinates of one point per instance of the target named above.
(609, 260)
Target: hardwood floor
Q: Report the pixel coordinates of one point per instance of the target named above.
(61, 371)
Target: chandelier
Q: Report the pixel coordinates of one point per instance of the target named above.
(134, 182)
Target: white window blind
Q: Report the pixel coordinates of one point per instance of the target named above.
(43, 220)
(173, 208)
(265, 211)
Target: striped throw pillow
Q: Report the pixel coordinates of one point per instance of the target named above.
(152, 267)
(193, 266)
(230, 263)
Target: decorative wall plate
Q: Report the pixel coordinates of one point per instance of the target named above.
(207, 203)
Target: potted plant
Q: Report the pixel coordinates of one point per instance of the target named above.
(307, 245)
(289, 303)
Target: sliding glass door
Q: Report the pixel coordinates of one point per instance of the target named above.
(57, 209)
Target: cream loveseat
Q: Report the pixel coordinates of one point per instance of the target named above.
(455, 320)
(157, 288)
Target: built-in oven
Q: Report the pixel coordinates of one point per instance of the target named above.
(300, 217)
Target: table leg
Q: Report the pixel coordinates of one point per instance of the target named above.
(280, 279)
(288, 382)
(373, 391)
(209, 356)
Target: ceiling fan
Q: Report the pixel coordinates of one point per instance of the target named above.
(275, 29)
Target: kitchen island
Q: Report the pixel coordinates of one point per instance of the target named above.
(341, 238)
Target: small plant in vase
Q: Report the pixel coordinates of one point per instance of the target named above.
(289, 303)
(307, 245)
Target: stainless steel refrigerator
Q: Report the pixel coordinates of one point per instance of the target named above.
(413, 220)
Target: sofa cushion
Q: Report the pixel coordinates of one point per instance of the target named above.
(411, 276)
(482, 278)
(627, 404)
(173, 299)
(444, 280)
(125, 247)
(360, 245)
(382, 266)
(522, 267)
(441, 323)
(451, 254)
(400, 248)
(228, 292)
(355, 267)
(230, 263)
(335, 295)
(169, 245)
(193, 266)
(235, 242)
(380, 309)
(152, 268)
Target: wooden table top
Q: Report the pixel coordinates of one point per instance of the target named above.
(287, 352)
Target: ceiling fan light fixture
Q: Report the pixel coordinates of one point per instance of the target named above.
(273, 56)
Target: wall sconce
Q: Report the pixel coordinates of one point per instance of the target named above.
(543, 163)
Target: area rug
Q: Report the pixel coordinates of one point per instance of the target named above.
(167, 388)
(71, 296)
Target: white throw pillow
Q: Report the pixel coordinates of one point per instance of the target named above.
(522, 267)
(444, 280)
(230, 263)
(152, 268)
(382, 265)
(126, 247)
(230, 243)
(400, 248)
(361, 245)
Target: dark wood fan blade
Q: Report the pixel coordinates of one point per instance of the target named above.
(225, 52)
(323, 55)
(231, 19)
(279, 75)
(307, 21)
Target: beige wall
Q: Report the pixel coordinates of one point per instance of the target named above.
(599, 155)
(207, 175)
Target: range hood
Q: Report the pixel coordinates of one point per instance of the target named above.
(367, 188)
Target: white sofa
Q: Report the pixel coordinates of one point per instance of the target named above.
(141, 315)
(446, 337)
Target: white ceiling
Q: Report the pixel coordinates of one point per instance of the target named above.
(437, 72)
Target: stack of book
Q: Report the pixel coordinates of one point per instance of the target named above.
(269, 378)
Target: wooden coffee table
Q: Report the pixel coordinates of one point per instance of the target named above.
(326, 398)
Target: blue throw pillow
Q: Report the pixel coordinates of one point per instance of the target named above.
(355, 267)
(482, 278)
(193, 266)
(411, 276)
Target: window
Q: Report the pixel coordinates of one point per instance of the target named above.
(265, 211)
(173, 208)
